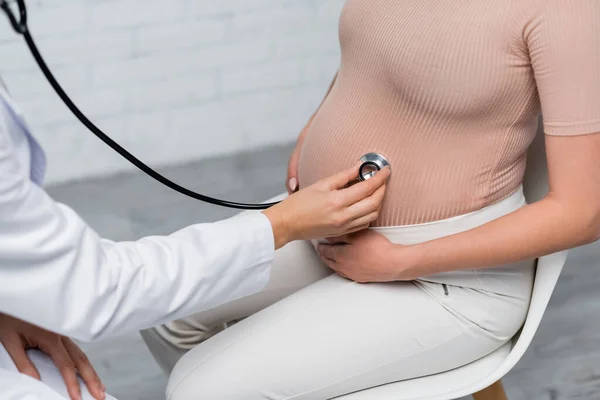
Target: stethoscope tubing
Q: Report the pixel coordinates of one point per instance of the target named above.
(370, 160)
(21, 27)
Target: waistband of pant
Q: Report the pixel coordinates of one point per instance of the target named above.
(411, 234)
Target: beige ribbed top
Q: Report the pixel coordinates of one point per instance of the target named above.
(450, 91)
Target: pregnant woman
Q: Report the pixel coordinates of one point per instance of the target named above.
(450, 92)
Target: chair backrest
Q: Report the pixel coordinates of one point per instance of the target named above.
(548, 269)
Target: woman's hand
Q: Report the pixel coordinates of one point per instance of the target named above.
(292, 172)
(365, 256)
(328, 208)
(18, 336)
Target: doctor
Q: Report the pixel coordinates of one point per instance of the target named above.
(58, 274)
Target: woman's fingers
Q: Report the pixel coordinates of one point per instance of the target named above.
(85, 369)
(292, 185)
(292, 174)
(59, 354)
(15, 348)
(363, 190)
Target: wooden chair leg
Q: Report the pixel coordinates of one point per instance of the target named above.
(494, 392)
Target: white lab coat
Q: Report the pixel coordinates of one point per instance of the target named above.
(56, 272)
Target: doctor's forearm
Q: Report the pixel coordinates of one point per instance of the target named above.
(161, 278)
(535, 230)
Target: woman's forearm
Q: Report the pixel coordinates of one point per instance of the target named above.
(535, 230)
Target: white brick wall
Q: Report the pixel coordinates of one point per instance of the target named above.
(172, 81)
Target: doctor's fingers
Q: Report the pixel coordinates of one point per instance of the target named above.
(58, 353)
(341, 179)
(16, 349)
(366, 207)
(85, 369)
(353, 229)
(361, 223)
(364, 190)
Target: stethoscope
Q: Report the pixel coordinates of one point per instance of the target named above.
(371, 163)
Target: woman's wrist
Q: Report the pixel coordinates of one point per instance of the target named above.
(406, 260)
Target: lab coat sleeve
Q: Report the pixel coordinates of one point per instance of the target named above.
(56, 272)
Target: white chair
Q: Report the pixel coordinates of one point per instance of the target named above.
(482, 378)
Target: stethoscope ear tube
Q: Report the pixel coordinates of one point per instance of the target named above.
(19, 25)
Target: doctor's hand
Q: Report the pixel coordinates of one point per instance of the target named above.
(18, 336)
(328, 208)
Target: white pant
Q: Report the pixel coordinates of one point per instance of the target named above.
(51, 387)
(313, 335)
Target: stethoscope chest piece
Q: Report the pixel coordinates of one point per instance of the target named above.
(371, 164)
